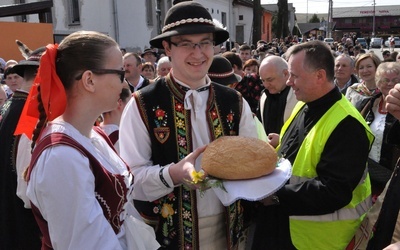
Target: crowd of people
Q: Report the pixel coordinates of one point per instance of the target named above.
(99, 145)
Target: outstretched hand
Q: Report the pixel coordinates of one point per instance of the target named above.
(181, 171)
(393, 101)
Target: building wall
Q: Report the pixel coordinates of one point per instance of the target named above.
(243, 18)
(360, 20)
(33, 35)
(266, 26)
(126, 20)
(269, 10)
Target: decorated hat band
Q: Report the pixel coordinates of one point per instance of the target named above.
(220, 75)
(187, 21)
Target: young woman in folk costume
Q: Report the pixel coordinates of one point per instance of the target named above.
(78, 185)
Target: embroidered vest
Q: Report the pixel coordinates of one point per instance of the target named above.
(110, 189)
(161, 106)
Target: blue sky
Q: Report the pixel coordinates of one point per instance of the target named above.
(321, 6)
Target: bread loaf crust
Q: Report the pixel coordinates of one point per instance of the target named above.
(239, 158)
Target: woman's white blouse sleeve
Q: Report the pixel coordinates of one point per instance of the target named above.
(62, 187)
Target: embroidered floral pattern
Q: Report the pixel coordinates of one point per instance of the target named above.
(161, 131)
(217, 126)
(176, 212)
(161, 117)
(230, 122)
(165, 207)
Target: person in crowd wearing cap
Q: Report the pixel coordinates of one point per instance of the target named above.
(133, 69)
(11, 63)
(111, 119)
(78, 185)
(329, 191)
(221, 72)
(149, 55)
(12, 79)
(277, 99)
(18, 228)
(167, 125)
(163, 67)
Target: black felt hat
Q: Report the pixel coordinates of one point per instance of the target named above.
(221, 71)
(148, 51)
(188, 18)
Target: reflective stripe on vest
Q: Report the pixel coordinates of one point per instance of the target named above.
(346, 213)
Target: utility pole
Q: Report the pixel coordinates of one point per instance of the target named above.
(329, 33)
(373, 22)
(307, 13)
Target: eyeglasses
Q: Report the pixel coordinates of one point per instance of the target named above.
(203, 45)
(387, 81)
(121, 73)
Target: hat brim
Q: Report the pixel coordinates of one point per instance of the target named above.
(20, 67)
(149, 52)
(234, 78)
(220, 35)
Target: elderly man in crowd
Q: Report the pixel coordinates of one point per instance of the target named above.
(344, 69)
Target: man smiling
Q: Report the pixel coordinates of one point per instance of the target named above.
(177, 115)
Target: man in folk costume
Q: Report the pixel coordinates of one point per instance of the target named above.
(165, 128)
(18, 228)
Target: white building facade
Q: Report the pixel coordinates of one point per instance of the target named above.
(132, 23)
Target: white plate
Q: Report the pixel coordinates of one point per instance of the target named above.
(255, 189)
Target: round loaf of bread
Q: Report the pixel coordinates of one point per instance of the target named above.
(239, 158)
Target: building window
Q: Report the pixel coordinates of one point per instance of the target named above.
(149, 12)
(74, 12)
(223, 18)
(362, 20)
(240, 17)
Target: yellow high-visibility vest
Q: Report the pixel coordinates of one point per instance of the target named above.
(335, 230)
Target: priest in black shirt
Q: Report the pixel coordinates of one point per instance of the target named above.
(327, 141)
